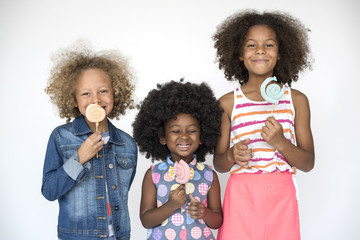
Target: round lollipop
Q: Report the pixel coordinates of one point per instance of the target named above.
(271, 92)
(95, 113)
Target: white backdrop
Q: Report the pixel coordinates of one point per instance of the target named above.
(166, 40)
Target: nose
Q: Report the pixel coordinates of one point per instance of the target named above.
(184, 135)
(96, 98)
(260, 51)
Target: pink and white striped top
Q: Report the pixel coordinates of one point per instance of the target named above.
(248, 118)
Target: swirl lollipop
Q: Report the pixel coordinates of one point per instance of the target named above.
(182, 172)
(95, 113)
(271, 92)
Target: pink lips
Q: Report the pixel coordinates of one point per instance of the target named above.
(259, 60)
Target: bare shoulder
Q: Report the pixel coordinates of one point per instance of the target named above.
(299, 99)
(227, 101)
(227, 97)
(148, 174)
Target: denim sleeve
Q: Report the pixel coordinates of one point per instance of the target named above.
(134, 172)
(59, 174)
(72, 166)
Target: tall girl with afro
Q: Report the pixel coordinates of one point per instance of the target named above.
(263, 139)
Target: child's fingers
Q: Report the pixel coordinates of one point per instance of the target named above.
(242, 145)
(196, 210)
(244, 142)
(96, 137)
(242, 153)
(180, 189)
(92, 145)
(179, 192)
(177, 197)
(96, 140)
(272, 132)
(192, 198)
(272, 120)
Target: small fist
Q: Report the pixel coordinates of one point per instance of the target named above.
(196, 209)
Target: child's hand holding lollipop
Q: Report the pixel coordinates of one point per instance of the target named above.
(95, 113)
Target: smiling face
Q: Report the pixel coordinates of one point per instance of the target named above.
(94, 86)
(182, 137)
(260, 51)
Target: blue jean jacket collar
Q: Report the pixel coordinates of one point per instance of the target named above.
(81, 128)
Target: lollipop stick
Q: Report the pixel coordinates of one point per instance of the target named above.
(181, 209)
(272, 111)
(97, 127)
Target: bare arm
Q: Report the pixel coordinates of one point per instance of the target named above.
(214, 217)
(151, 215)
(301, 156)
(224, 156)
(212, 214)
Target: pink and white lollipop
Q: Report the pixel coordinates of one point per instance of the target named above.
(182, 172)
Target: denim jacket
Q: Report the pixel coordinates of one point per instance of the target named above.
(80, 189)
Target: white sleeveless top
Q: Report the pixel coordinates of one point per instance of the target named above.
(248, 117)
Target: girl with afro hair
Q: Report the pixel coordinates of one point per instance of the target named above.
(179, 123)
(270, 136)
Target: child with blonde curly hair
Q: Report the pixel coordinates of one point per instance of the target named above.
(89, 167)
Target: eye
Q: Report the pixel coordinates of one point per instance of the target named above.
(251, 45)
(175, 131)
(269, 45)
(104, 91)
(85, 94)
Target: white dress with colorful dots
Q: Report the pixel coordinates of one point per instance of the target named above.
(180, 225)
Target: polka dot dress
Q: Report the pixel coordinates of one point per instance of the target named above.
(180, 225)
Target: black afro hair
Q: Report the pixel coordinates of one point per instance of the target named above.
(163, 104)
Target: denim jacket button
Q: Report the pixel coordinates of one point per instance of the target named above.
(114, 187)
(117, 228)
(116, 208)
(109, 146)
(111, 166)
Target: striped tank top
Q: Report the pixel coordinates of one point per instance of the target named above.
(248, 117)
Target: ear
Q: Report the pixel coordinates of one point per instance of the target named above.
(241, 58)
(162, 141)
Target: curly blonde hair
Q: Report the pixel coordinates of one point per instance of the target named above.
(71, 62)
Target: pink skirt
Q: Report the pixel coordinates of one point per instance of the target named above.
(260, 207)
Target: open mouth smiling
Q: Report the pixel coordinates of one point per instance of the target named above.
(183, 146)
